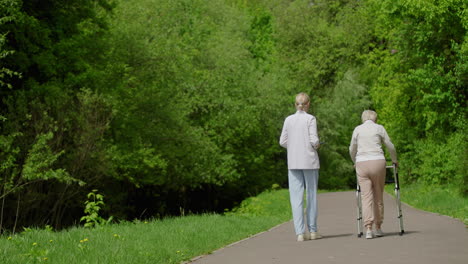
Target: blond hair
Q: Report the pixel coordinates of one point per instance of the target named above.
(302, 102)
(368, 115)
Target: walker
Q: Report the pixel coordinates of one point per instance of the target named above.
(397, 198)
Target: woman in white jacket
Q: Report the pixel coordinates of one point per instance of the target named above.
(367, 154)
(299, 136)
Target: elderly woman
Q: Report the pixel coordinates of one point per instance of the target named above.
(300, 138)
(367, 154)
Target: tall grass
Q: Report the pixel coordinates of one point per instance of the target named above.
(445, 200)
(171, 240)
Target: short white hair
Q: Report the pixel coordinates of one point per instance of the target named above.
(368, 115)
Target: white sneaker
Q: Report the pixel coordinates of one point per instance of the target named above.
(300, 238)
(369, 234)
(315, 235)
(379, 233)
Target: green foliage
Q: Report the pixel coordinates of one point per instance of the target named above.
(8, 156)
(261, 36)
(54, 126)
(8, 13)
(93, 205)
(214, 99)
(417, 88)
(40, 160)
(343, 105)
(440, 162)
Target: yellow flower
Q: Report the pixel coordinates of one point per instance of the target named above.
(115, 235)
(34, 244)
(81, 241)
(45, 258)
(85, 240)
(146, 222)
(9, 238)
(51, 241)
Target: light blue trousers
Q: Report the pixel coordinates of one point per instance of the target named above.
(298, 180)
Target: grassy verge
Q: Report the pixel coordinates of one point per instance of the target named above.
(171, 240)
(444, 200)
(175, 240)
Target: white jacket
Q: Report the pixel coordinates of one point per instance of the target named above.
(366, 143)
(300, 138)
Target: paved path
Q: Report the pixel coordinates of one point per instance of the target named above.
(428, 238)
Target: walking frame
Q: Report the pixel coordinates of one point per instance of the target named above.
(397, 198)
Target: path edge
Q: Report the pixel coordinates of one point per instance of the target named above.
(235, 243)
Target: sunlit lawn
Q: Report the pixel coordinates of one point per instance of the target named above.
(444, 200)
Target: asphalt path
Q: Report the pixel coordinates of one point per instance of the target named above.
(428, 238)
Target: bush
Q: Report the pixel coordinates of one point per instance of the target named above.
(438, 163)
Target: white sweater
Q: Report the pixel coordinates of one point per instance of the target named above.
(366, 143)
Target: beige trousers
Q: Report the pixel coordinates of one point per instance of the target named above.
(371, 178)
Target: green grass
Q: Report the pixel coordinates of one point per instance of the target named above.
(175, 240)
(171, 240)
(444, 200)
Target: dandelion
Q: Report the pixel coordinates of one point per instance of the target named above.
(50, 241)
(45, 258)
(85, 240)
(34, 244)
(10, 238)
(115, 235)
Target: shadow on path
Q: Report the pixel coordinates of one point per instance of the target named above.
(407, 233)
(335, 236)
